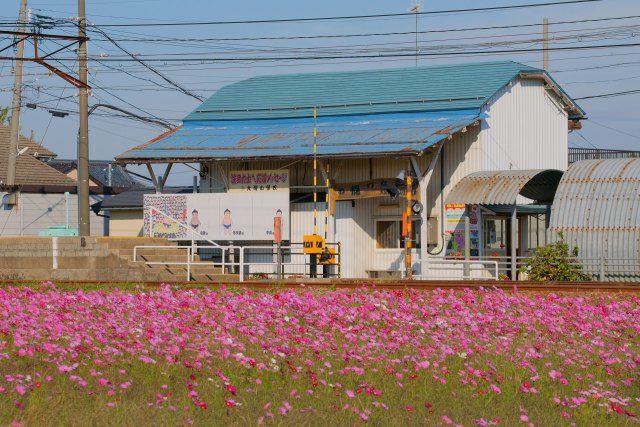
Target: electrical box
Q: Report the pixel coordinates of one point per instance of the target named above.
(10, 199)
(330, 257)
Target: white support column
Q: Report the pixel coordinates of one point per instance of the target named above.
(514, 243)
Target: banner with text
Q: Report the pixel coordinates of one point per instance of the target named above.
(260, 181)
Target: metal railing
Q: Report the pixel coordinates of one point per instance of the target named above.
(577, 154)
(602, 269)
(460, 269)
(252, 262)
(295, 263)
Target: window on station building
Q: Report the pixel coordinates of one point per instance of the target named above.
(389, 234)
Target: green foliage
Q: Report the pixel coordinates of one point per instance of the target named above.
(555, 261)
(4, 116)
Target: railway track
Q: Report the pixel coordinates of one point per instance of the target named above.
(385, 284)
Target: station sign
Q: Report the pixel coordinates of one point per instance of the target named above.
(313, 244)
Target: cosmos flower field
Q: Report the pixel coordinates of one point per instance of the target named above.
(170, 356)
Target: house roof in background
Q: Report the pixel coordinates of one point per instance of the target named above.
(134, 199)
(433, 88)
(35, 149)
(31, 171)
(99, 172)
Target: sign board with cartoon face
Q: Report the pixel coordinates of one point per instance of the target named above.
(216, 216)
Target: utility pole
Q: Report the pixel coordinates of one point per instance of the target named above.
(545, 49)
(14, 128)
(83, 133)
(416, 8)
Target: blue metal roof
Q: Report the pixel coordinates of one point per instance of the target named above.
(433, 88)
(371, 134)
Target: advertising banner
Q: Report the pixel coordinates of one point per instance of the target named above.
(454, 229)
(217, 216)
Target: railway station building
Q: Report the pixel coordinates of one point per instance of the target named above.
(485, 143)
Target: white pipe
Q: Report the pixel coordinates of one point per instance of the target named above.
(424, 184)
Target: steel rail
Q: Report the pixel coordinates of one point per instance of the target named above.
(389, 284)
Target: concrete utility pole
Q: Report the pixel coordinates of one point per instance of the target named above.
(545, 49)
(84, 226)
(14, 128)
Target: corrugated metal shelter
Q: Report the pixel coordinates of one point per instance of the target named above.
(503, 187)
(597, 209)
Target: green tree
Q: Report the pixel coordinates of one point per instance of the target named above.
(4, 116)
(555, 261)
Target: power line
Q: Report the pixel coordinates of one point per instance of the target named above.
(609, 95)
(165, 78)
(375, 34)
(379, 56)
(333, 18)
(619, 33)
(614, 129)
(585, 138)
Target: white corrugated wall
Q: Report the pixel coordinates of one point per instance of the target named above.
(526, 129)
(36, 212)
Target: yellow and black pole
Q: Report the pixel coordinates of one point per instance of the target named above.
(407, 239)
(315, 172)
(313, 258)
(314, 245)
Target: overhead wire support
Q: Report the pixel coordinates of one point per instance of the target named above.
(41, 59)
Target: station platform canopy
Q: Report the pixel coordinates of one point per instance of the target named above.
(399, 134)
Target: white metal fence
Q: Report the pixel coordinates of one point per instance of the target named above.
(249, 262)
(601, 269)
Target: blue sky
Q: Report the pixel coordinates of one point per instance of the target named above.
(613, 122)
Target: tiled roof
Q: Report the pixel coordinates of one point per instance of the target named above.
(133, 199)
(29, 170)
(99, 172)
(35, 149)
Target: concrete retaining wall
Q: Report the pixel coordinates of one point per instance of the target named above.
(72, 259)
